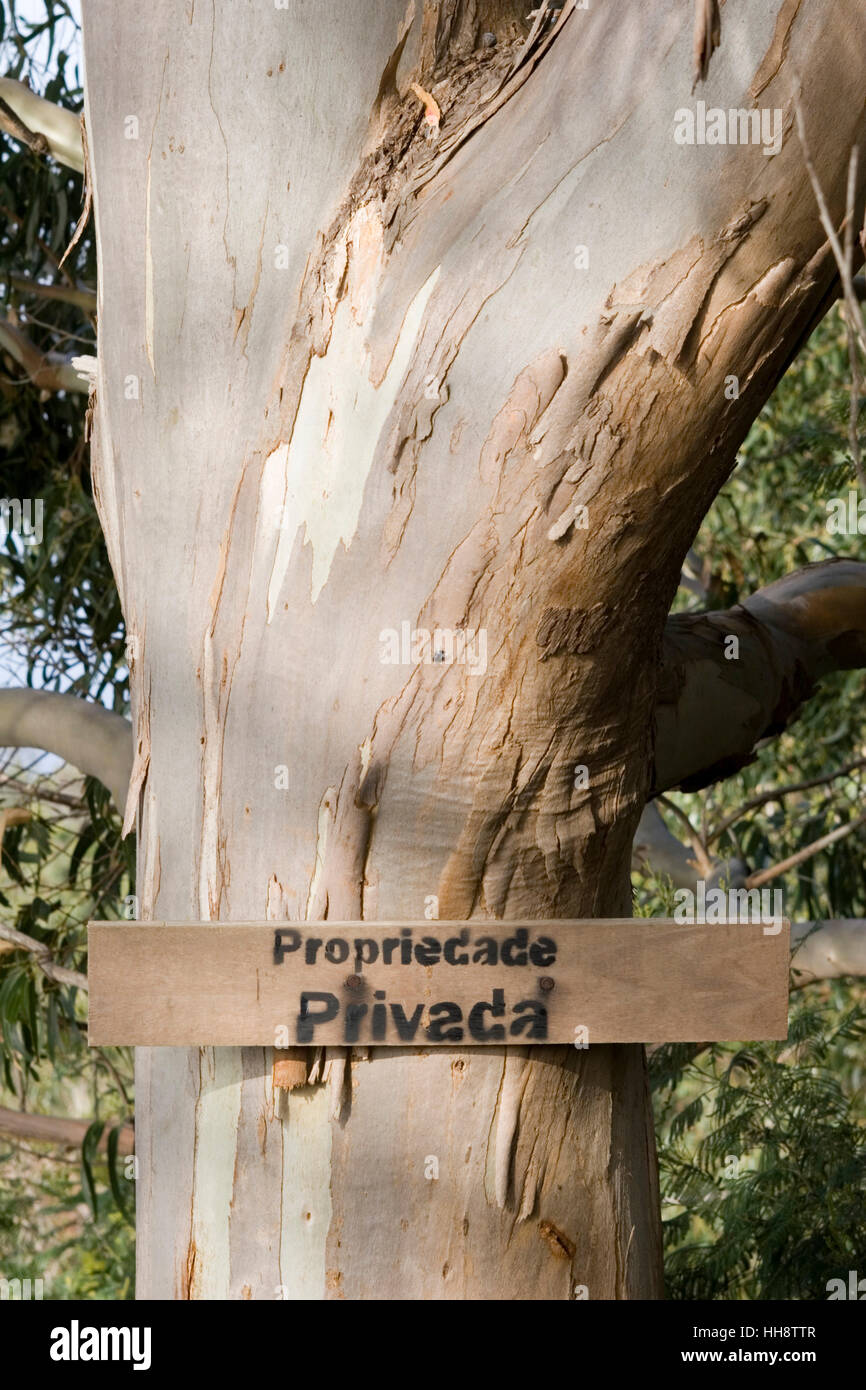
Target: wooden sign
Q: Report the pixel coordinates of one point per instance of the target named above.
(435, 984)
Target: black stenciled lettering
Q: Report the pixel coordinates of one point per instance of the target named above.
(477, 1029)
(535, 1024)
(406, 1027)
(389, 946)
(406, 946)
(337, 950)
(428, 950)
(440, 1016)
(366, 951)
(307, 1021)
(486, 951)
(543, 951)
(380, 1017)
(517, 943)
(285, 939)
(311, 949)
(451, 945)
(354, 1014)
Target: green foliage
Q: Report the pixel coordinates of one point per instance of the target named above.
(62, 868)
(768, 520)
(60, 609)
(60, 628)
(762, 1154)
(47, 1232)
(761, 1145)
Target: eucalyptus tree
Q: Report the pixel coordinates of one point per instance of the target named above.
(441, 318)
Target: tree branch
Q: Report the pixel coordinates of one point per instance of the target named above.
(39, 124)
(58, 1129)
(70, 294)
(853, 320)
(702, 857)
(15, 221)
(762, 876)
(842, 265)
(42, 790)
(777, 793)
(822, 950)
(828, 950)
(718, 698)
(44, 959)
(12, 815)
(50, 371)
(83, 733)
(19, 131)
(657, 849)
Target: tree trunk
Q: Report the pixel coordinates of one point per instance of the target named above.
(354, 374)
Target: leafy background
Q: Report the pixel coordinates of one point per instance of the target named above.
(761, 1145)
(65, 1217)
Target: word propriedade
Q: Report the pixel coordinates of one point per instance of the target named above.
(445, 1021)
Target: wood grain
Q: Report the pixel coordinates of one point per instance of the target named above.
(618, 980)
